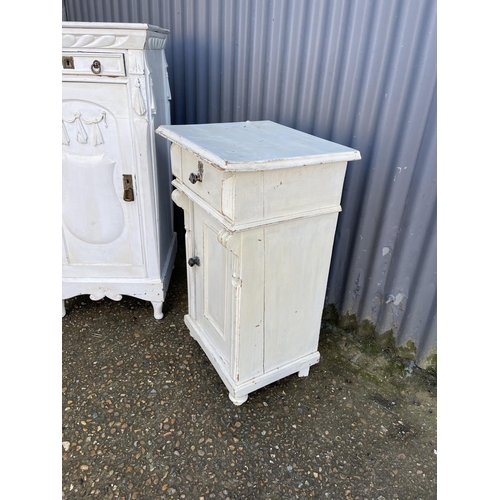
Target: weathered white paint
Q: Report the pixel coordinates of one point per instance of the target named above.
(112, 247)
(261, 145)
(399, 298)
(261, 222)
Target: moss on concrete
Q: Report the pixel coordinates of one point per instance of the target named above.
(430, 361)
(372, 343)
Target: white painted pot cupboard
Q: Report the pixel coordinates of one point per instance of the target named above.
(260, 204)
(117, 217)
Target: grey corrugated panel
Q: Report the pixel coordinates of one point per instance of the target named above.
(358, 72)
(377, 258)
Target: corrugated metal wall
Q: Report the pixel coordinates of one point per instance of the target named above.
(358, 72)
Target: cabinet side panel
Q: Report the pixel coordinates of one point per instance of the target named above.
(250, 355)
(297, 260)
(176, 159)
(159, 108)
(297, 190)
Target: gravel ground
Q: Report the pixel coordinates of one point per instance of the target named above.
(145, 415)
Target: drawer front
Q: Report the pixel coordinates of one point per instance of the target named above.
(202, 178)
(92, 64)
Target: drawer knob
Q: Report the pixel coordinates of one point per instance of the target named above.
(194, 178)
(96, 67)
(194, 261)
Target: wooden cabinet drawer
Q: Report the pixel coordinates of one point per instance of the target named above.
(92, 64)
(208, 179)
(245, 199)
(240, 188)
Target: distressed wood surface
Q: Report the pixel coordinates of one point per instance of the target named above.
(260, 224)
(259, 145)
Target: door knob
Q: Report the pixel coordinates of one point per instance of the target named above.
(194, 178)
(194, 261)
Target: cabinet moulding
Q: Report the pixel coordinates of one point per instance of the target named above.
(180, 199)
(138, 36)
(229, 240)
(156, 43)
(93, 41)
(245, 226)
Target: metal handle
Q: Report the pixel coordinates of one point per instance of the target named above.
(194, 261)
(96, 67)
(194, 178)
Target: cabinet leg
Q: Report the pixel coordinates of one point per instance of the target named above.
(63, 308)
(238, 400)
(158, 309)
(304, 372)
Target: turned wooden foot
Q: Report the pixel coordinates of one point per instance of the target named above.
(158, 309)
(238, 400)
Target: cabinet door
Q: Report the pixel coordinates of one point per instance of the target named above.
(101, 231)
(215, 296)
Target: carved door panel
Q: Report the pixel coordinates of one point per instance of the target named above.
(101, 230)
(214, 293)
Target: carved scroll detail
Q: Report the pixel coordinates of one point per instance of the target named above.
(228, 240)
(105, 292)
(180, 199)
(88, 40)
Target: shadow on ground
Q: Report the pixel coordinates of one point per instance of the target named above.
(145, 415)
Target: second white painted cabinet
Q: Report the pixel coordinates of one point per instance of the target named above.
(260, 204)
(117, 213)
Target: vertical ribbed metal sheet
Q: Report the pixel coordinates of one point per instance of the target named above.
(358, 72)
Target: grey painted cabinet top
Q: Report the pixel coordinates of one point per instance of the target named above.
(258, 145)
(113, 26)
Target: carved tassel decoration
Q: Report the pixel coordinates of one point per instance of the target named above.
(139, 106)
(96, 134)
(81, 135)
(97, 137)
(65, 136)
